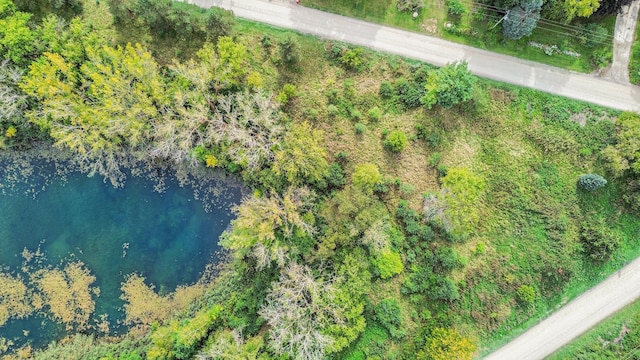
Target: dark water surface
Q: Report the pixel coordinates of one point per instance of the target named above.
(167, 238)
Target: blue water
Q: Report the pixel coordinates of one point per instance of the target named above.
(166, 237)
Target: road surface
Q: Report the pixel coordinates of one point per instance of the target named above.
(436, 51)
(575, 318)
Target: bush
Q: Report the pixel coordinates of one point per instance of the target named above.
(396, 141)
(446, 344)
(336, 176)
(374, 113)
(410, 5)
(598, 240)
(386, 90)
(592, 35)
(590, 182)
(353, 59)
(456, 8)
(289, 51)
(387, 313)
(526, 295)
(388, 263)
(360, 128)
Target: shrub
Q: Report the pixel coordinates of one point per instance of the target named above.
(287, 93)
(387, 313)
(374, 113)
(353, 59)
(446, 344)
(598, 240)
(336, 176)
(396, 141)
(592, 35)
(456, 8)
(590, 182)
(388, 263)
(289, 51)
(526, 295)
(360, 128)
(386, 90)
(410, 5)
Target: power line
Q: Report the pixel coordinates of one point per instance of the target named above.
(543, 20)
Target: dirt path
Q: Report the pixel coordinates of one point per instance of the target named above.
(623, 39)
(575, 318)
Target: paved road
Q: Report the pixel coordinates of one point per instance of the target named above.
(575, 318)
(287, 14)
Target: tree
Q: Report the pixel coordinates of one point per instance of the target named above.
(610, 7)
(301, 156)
(16, 38)
(396, 141)
(446, 344)
(110, 116)
(521, 19)
(387, 262)
(449, 86)
(298, 309)
(582, 8)
(461, 193)
(266, 226)
(591, 182)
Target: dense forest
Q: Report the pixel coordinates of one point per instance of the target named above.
(398, 210)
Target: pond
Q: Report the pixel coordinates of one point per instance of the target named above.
(167, 237)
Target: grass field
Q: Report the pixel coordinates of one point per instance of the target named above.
(476, 28)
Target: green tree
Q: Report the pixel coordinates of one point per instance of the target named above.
(462, 192)
(582, 8)
(16, 38)
(522, 19)
(447, 344)
(266, 226)
(110, 116)
(301, 156)
(449, 86)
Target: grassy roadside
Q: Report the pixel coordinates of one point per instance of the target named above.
(476, 28)
(634, 62)
(614, 338)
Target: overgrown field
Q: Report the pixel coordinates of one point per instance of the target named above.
(391, 217)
